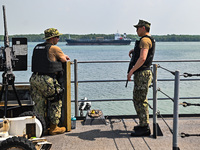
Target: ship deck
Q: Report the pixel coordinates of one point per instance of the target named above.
(116, 136)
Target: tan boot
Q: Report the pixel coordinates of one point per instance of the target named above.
(54, 129)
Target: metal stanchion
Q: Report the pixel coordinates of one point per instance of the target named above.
(155, 100)
(156, 128)
(176, 115)
(76, 86)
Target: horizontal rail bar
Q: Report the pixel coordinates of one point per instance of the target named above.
(105, 61)
(180, 79)
(87, 81)
(176, 61)
(105, 100)
(125, 61)
(195, 116)
(19, 83)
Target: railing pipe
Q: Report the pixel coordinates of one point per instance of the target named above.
(125, 61)
(175, 118)
(155, 100)
(76, 86)
(75, 82)
(87, 81)
(104, 100)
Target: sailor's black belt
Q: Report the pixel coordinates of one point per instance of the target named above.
(48, 74)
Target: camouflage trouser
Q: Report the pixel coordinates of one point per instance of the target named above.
(142, 81)
(42, 86)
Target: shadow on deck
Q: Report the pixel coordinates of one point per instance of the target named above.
(116, 136)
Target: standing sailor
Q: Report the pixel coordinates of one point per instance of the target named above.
(46, 80)
(143, 57)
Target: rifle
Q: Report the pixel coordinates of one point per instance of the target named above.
(130, 66)
(131, 63)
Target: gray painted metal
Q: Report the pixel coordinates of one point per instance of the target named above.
(176, 103)
(76, 87)
(155, 101)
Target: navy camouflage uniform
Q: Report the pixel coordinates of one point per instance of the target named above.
(44, 86)
(142, 81)
(143, 75)
(42, 91)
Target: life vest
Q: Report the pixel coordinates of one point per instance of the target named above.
(150, 55)
(41, 62)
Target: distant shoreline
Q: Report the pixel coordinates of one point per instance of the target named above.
(158, 38)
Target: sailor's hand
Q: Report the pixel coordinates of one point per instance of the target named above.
(67, 57)
(129, 76)
(130, 53)
(64, 58)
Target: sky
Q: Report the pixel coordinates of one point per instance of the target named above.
(100, 16)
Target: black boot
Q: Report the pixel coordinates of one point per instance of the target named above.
(141, 131)
(136, 127)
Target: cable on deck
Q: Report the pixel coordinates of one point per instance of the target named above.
(158, 112)
(150, 106)
(189, 74)
(165, 94)
(183, 135)
(172, 72)
(185, 104)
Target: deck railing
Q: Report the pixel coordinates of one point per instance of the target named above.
(76, 81)
(155, 97)
(175, 99)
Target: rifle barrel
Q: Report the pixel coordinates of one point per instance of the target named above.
(6, 39)
(126, 83)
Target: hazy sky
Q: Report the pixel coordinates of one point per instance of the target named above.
(101, 16)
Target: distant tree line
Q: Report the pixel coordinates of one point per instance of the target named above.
(177, 38)
(158, 38)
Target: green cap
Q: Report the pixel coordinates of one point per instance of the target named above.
(143, 23)
(51, 32)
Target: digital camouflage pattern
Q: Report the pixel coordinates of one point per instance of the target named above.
(142, 81)
(51, 32)
(143, 23)
(42, 87)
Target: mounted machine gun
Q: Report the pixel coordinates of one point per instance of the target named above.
(11, 59)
